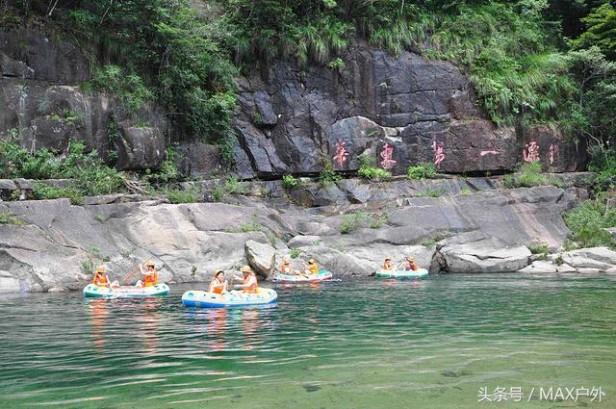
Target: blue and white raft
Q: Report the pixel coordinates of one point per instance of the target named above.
(204, 299)
(323, 275)
(92, 290)
(402, 274)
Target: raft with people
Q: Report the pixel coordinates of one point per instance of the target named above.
(127, 291)
(409, 271)
(312, 274)
(147, 286)
(218, 295)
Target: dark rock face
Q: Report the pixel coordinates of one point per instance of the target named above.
(547, 144)
(41, 102)
(32, 55)
(399, 110)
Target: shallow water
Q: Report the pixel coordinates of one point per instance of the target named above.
(431, 344)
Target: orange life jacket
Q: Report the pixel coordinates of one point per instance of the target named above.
(100, 279)
(217, 289)
(150, 280)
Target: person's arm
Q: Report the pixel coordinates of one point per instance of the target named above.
(141, 269)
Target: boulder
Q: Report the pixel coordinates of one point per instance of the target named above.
(8, 189)
(199, 159)
(596, 258)
(601, 254)
(139, 148)
(261, 257)
(483, 256)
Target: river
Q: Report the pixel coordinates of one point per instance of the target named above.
(457, 341)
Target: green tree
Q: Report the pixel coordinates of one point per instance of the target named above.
(601, 30)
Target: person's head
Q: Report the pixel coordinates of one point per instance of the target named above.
(285, 262)
(101, 270)
(150, 266)
(311, 261)
(246, 270)
(219, 275)
(410, 260)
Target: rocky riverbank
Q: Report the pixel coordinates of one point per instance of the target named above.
(473, 225)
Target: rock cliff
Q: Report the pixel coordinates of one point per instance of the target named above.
(50, 245)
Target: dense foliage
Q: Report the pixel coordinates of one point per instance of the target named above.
(91, 175)
(530, 60)
(588, 221)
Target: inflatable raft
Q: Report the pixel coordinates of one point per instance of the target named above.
(204, 299)
(402, 274)
(323, 275)
(92, 290)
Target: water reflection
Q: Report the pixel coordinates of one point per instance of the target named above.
(147, 319)
(98, 319)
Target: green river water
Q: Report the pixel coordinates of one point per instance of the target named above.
(443, 342)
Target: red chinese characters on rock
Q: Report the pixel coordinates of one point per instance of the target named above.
(553, 153)
(387, 161)
(439, 153)
(341, 156)
(531, 152)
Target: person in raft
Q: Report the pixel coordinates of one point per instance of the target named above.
(101, 278)
(218, 284)
(150, 275)
(388, 265)
(249, 281)
(410, 264)
(285, 266)
(313, 267)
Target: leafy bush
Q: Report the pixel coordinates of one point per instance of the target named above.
(294, 253)
(529, 175)
(604, 164)
(354, 221)
(373, 173)
(425, 170)
(128, 87)
(91, 174)
(168, 171)
(218, 193)
(588, 220)
(290, 182)
(430, 193)
(539, 248)
(177, 196)
(232, 185)
(42, 191)
(7, 217)
(369, 170)
(328, 175)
